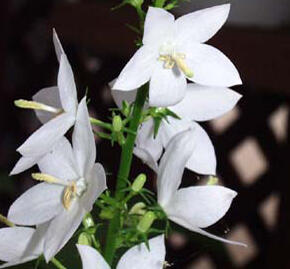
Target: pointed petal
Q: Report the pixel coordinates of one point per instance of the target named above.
(158, 27)
(203, 158)
(153, 258)
(200, 231)
(61, 229)
(203, 103)
(42, 140)
(137, 71)
(15, 244)
(37, 205)
(48, 96)
(146, 157)
(172, 165)
(167, 86)
(120, 96)
(57, 45)
(145, 140)
(201, 25)
(67, 86)
(91, 258)
(60, 162)
(210, 66)
(23, 164)
(83, 140)
(200, 206)
(96, 185)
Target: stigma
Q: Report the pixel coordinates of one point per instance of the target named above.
(36, 106)
(178, 59)
(73, 189)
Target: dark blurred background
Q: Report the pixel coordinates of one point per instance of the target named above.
(252, 141)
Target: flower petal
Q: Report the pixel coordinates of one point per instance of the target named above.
(137, 71)
(200, 231)
(158, 27)
(57, 45)
(144, 258)
(201, 25)
(91, 258)
(210, 66)
(167, 86)
(15, 244)
(146, 157)
(205, 103)
(172, 165)
(23, 164)
(96, 185)
(61, 229)
(42, 140)
(37, 205)
(48, 96)
(67, 86)
(199, 207)
(83, 140)
(60, 162)
(203, 158)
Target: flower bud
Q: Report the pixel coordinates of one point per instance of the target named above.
(139, 183)
(146, 222)
(117, 124)
(138, 209)
(88, 221)
(85, 239)
(107, 213)
(121, 139)
(212, 181)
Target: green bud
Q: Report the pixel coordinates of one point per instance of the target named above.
(121, 139)
(85, 239)
(117, 124)
(138, 209)
(88, 221)
(212, 181)
(126, 108)
(138, 183)
(107, 213)
(146, 222)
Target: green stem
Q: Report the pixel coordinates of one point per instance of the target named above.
(124, 171)
(57, 263)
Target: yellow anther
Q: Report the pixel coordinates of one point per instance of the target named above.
(37, 106)
(68, 195)
(47, 178)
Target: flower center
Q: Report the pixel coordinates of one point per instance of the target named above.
(73, 189)
(170, 57)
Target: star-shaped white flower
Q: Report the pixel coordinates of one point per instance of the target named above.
(72, 183)
(194, 208)
(201, 103)
(20, 244)
(173, 51)
(56, 108)
(138, 256)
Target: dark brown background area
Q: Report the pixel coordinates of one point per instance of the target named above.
(98, 45)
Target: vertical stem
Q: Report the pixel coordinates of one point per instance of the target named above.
(57, 263)
(124, 171)
(159, 3)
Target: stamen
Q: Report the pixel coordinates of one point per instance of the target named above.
(180, 62)
(48, 178)
(37, 106)
(69, 194)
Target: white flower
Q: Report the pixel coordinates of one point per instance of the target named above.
(200, 103)
(20, 244)
(72, 183)
(138, 256)
(56, 108)
(194, 208)
(173, 50)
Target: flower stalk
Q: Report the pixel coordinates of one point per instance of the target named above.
(124, 171)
